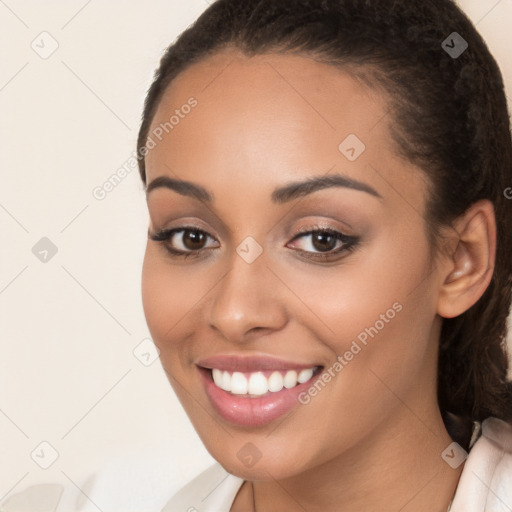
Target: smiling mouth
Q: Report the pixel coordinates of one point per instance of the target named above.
(262, 383)
(256, 390)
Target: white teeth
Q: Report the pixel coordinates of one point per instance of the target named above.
(238, 384)
(226, 381)
(222, 379)
(290, 379)
(275, 382)
(305, 375)
(256, 384)
(217, 377)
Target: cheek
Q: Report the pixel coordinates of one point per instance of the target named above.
(375, 309)
(164, 298)
(173, 296)
(344, 299)
(153, 288)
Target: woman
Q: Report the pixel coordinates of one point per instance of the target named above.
(328, 271)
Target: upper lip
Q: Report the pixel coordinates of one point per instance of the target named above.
(237, 363)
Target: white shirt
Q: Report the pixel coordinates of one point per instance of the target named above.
(485, 485)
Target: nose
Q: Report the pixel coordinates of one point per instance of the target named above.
(247, 302)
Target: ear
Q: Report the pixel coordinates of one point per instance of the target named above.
(468, 269)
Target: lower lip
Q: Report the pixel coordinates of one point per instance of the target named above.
(252, 412)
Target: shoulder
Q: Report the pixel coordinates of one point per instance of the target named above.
(130, 482)
(486, 480)
(43, 497)
(211, 491)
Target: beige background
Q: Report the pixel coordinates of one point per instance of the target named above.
(69, 326)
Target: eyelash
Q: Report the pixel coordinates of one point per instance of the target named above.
(349, 242)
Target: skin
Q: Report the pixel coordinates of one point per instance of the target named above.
(372, 438)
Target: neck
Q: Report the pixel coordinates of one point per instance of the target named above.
(399, 465)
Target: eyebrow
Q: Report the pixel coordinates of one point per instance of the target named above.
(301, 188)
(280, 195)
(185, 188)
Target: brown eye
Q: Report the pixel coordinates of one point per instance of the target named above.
(193, 240)
(184, 241)
(323, 242)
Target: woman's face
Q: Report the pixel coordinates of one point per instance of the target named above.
(257, 294)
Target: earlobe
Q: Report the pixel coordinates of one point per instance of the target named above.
(469, 268)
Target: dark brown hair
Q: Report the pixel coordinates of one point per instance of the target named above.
(450, 118)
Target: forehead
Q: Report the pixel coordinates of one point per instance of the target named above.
(268, 118)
